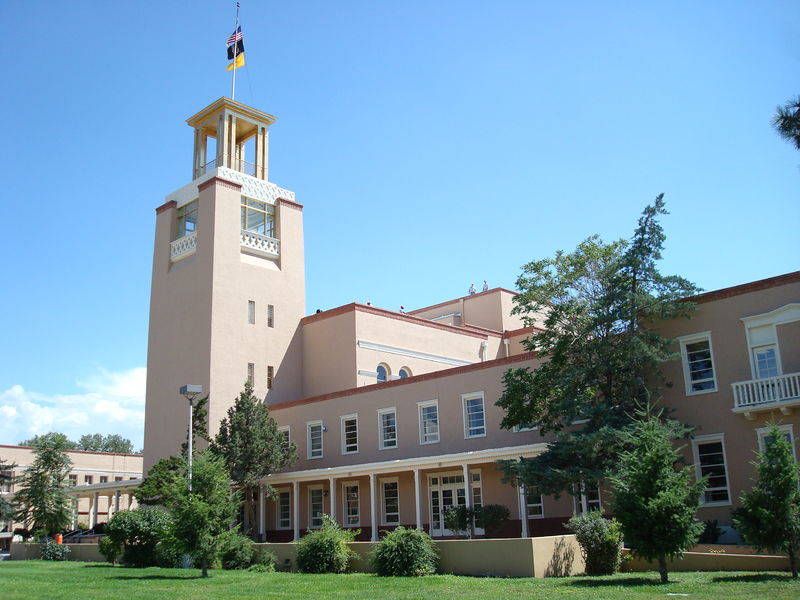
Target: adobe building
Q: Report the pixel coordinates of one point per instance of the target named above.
(394, 414)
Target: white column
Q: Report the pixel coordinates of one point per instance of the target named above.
(75, 513)
(110, 511)
(373, 507)
(522, 505)
(93, 510)
(332, 486)
(468, 498)
(296, 511)
(117, 496)
(262, 514)
(417, 502)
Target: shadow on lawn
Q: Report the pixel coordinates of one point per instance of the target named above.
(156, 577)
(753, 578)
(627, 581)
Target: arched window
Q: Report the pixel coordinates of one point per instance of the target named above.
(404, 372)
(383, 373)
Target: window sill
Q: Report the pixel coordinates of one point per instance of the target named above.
(430, 442)
(350, 452)
(388, 448)
(314, 457)
(477, 435)
(713, 504)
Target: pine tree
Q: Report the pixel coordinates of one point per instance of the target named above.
(252, 447)
(787, 121)
(770, 513)
(654, 499)
(42, 502)
(6, 507)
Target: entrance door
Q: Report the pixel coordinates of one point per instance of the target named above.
(446, 491)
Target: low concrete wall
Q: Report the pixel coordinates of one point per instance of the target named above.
(78, 552)
(716, 560)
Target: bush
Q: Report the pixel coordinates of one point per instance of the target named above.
(52, 551)
(169, 552)
(238, 553)
(457, 519)
(600, 541)
(138, 532)
(491, 517)
(405, 553)
(711, 533)
(109, 549)
(325, 550)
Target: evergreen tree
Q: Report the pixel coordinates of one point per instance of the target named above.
(655, 499)
(770, 513)
(601, 356)
(6, 507)
(162, 479)
(252, 447)
(787, 121)
(42, 502)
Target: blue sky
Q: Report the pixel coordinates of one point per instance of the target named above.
(432, 143)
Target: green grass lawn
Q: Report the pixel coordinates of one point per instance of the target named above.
(36, 579)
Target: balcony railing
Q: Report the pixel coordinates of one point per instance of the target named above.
(263, 245)
(757, 395)
(183, 247)
(242, 166)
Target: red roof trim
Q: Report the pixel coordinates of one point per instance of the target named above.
(166, 206)
(522, 330)
(291, 203)
(745, 288)
(491, 291)
(409, 380)
(76, 451)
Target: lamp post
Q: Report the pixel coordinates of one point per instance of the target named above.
(190, 392)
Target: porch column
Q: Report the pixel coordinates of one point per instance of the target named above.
(93, 509)
(74, 520)
(417, 502)
(117, 496)
(296, 506)
(373, 508)
(468, 497)
(332, 487)
(110, 511)
(262, 509)
(522, 507)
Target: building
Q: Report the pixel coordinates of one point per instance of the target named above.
(394, 413)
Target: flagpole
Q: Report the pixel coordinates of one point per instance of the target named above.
(235, 53)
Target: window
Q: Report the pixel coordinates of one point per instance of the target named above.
(270, 315)
(251, 311)
(88, 479)
(352, 515)
(404, 372)
(73, 479)
(270, 376)
(251, 371)
(765, 361)
(709, 456)
(587, 498)
(103, 478)
(382, 372)
(698, 363)
(387, 428)
(285, 432)
(533, 503)
(350, 434)
(764, 435)
(315, 506)
(117, 478)
(6, 477)
(428, 422)
(315, 439)
(284, 510)
(474, 418)
(525, 427)
(258, 217)
(391, 501)
(187, 219)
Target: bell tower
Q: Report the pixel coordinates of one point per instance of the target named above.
(228, 283)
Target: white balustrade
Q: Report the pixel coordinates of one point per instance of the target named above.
(751, 394)
(183, 247)
(260, 244)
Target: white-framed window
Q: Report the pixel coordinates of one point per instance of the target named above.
(8, 478)
(251, 311)
(284, 509)
(697, 355)
(270, 376)
(103, 478)
(587, 497)
(270, 315)
(349, 434)
(765, 361)
(387, 428)
(316, 506)
(404, 373)
(88, 479)
(383, 373)
(351, 504)
(428, 421)
(187, 219)
(258, 217)
(73, 479)
(314, 439)
(474, 415)
(390, 501)
(525, 427)
(534, 506)
(251, 373)
(709, 460)
(763, 434)
(286, 432)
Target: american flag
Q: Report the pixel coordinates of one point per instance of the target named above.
(235, 36)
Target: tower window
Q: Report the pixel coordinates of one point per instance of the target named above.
(270, 376)
(404, 373)
(382, 373)
(258, 217)
(251, 370)
(251, 311)
(187, 219)
(270, 315)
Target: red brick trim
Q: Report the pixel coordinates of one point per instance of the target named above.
(497, 362)
(166, 206)
(521, 331)
(231, 185)
(746, 288)
(390, 314)
(487, 292)
(292, 203)
(78, 452)
(484, 330)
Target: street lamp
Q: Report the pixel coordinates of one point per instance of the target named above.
(190, 392)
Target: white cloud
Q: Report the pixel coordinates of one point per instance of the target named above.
(111, 403)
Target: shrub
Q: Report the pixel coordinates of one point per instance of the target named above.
(52, 551)
(600, 541)
(169, 552)
(491, 517)
(405, 553)
(138, 532)
(457, 519)
(238, 552)
(325, 550)
(711, 533)
(109, 549)
(264, 561)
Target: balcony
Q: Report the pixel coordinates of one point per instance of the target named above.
(248, 168)
(758, 395)
(260, 245)
(183, 247)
